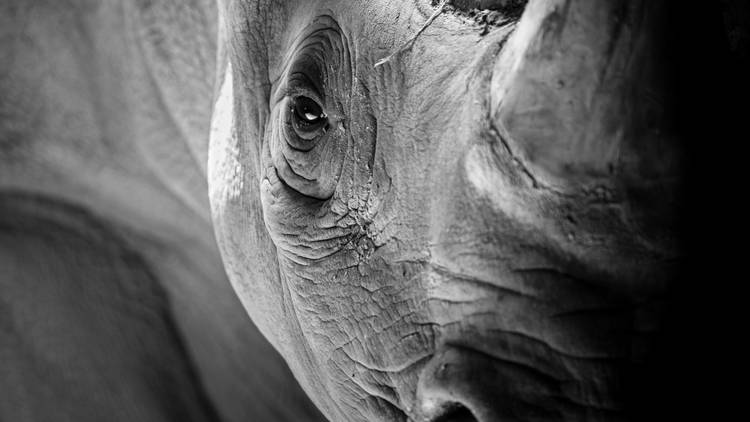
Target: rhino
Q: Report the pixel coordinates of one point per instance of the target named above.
(430, 210)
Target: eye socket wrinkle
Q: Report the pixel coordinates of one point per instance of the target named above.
(308, 106)
(304, 79)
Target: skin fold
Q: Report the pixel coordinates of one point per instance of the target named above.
(114, 300)
(485, 229)
(431, 211)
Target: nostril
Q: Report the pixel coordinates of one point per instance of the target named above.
(457, 386)
(456, 412)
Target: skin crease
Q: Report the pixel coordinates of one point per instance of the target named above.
(485, 227)
(104, 121)
(485, 224)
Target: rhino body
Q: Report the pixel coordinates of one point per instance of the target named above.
(115, 304)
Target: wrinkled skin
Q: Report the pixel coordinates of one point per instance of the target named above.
(114, 303)
(484, 229)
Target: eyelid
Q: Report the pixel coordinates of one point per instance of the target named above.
(295, 87)
(300, 84)
(292, 92)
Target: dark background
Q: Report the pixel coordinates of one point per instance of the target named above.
(698, 372)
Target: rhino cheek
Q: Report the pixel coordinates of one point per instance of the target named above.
(236, 220)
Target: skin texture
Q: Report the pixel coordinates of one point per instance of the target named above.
(115, 304)
(486, 228)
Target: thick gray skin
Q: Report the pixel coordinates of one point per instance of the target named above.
(114, 304)
(486, 223)
(497, 234)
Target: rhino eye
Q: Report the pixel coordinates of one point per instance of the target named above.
(308, 117)
(306, 136)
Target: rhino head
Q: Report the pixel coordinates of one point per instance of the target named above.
(459, 210)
